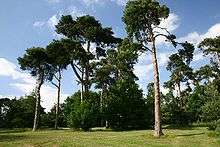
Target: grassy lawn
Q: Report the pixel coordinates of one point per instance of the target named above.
(195, 137)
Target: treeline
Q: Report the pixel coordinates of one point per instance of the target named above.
(100, 59)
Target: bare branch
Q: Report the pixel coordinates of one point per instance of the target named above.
(147, 48)
(78, 67)
(54, 84)
(160, 35)
(164, 29)
(75, 71)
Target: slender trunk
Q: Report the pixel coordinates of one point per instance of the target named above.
(58, 100)
(87, 84)
(218, 58)
(157, 128)
(86, 79)
(37, 106)
(82, 85)
(179, 94)
(101, 107)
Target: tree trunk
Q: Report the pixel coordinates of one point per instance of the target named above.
(37, 107)
(101, 107)
(86, 79)
(179, 94)
(218, 58)
(81, 78)
(157, 128)
(87, 84)
(58, 100)
(82, 85)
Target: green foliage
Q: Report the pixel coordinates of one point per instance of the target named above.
(173, 113)
(84, 114)
(86, 31)
(210, 45)
(179, 66)
(214, 126)
(141, 15)
(125, 106)
(36, 62)
(17, 113)
(211, 110)
(48, 119)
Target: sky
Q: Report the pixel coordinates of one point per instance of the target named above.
(28, 23)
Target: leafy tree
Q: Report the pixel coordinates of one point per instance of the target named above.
(195, 103)
(123, 100)
(181, 72)
(18, 113)
(84, 114)
(36, 62)
(149, 101)
(126, 107)
(60, 54)
(48, 119)
(211, 46)
(88, 32)
(118, 65)
(142, 19)
(211, 107)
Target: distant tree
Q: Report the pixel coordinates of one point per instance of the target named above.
(142, 19)
(84, 115)
(181, 72)
(120, 94)
(149, 101)
(18, 113)
(48, 119)
(94, 39)
(60, 54)
(36, 62)
(211, 46)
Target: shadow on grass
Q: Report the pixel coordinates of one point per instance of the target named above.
(3, 131)
(192, 134)
(9, 138)
(176, 127)
(103, 129)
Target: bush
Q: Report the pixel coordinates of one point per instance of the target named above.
(215, 125)
(125, 107)
(84, 115)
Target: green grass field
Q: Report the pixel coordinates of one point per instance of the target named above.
(195, 137)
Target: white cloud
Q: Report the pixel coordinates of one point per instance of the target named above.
(25, 83)
(39, 24)
(171, 24)
(53, 20)
(164, 90)
(196, 37)
(144, 68)
(92, 2)
(53, 1)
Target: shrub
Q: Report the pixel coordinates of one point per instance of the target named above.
(84, 115)
(215, 125)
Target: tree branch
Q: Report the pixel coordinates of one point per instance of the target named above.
(160, 35)
(147, 48)
(54, 84)
(77, 67)
(75, 71)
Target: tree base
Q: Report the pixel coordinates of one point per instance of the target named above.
(158, 134)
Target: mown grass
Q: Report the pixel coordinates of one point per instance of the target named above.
(193, 137)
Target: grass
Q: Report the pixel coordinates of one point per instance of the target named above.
(193, 137)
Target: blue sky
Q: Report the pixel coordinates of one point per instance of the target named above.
(28, 23)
